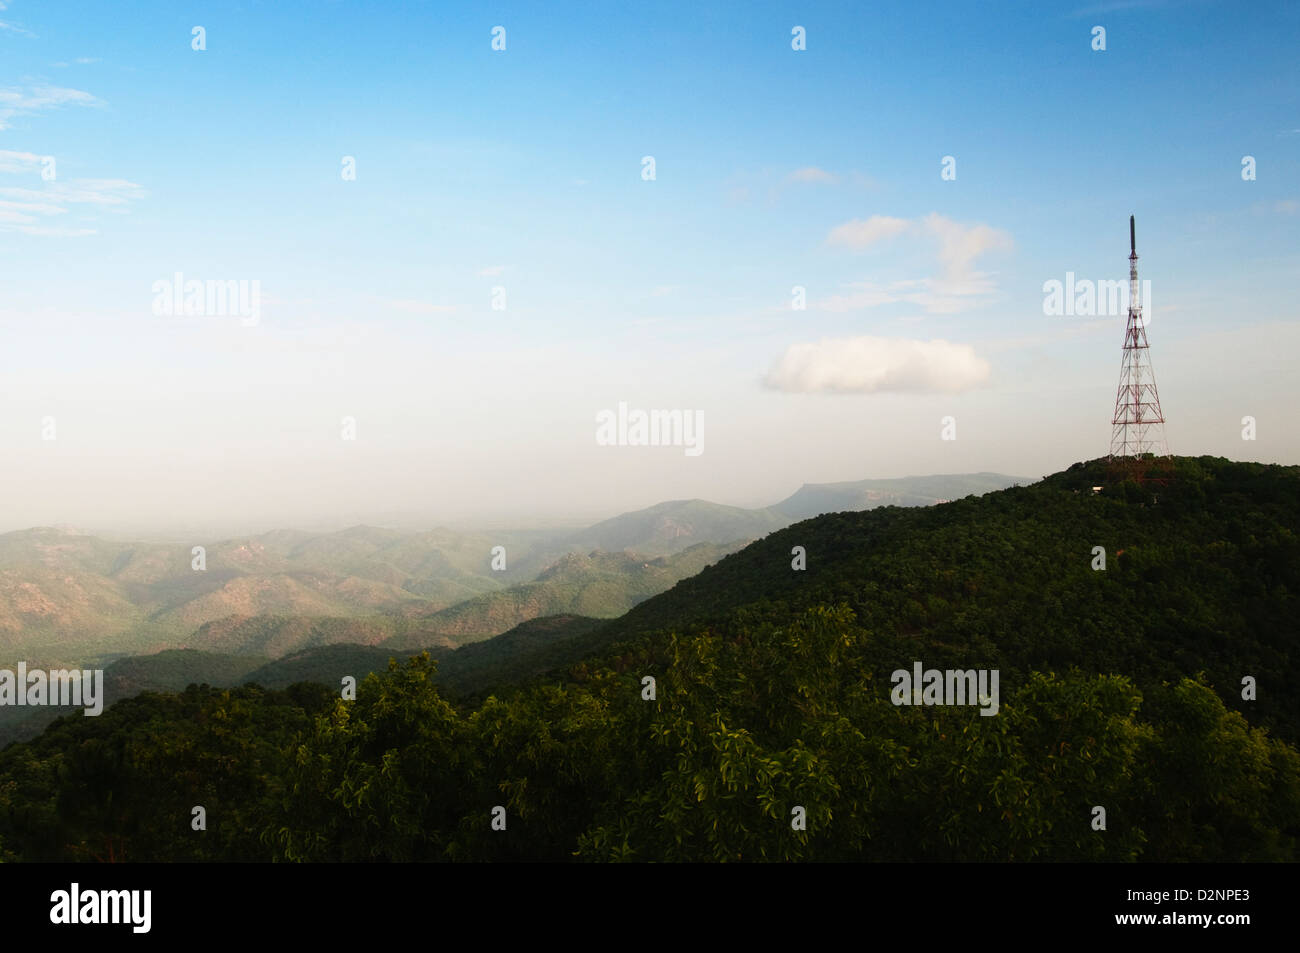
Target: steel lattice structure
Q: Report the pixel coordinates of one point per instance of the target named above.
(1138, 426)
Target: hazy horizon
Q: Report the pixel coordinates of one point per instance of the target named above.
(411, 521)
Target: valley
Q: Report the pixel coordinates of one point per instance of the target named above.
(70, 599)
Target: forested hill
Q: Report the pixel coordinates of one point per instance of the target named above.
(1202, 573)
(697, 725)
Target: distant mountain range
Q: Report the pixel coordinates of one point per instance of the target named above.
(673, 526)
(816, 499)
(66, 597)
(71, 599)
(600, 584)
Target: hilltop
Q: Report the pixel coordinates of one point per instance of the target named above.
(1202, 574)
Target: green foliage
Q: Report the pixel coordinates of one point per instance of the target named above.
(1203, 574)
(122, 786)
(1118, 689)
(372, 779)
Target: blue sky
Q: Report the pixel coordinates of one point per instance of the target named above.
(522, 169)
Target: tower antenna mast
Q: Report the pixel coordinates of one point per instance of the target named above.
(1138, 425)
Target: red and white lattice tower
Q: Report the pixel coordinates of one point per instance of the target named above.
(1138, 427)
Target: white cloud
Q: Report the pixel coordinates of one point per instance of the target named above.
(491, 271)
(960, 245)
(814, 174)
(15, 101)
(18, 161)
(21, 209)
(82, 191)
(859, 234)
(957, 287)
(15, 28)
(35, 208)
(869, 365)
